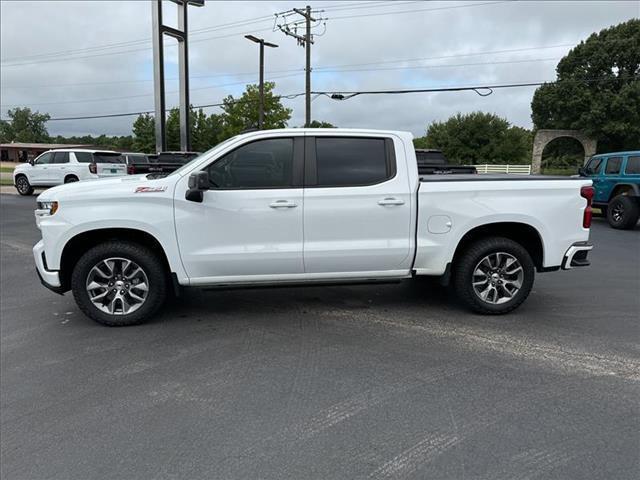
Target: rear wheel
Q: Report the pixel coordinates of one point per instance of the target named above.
(494, 275)
(23, 186)
(623, 212)
(119, 283)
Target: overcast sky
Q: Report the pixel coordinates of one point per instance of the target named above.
(59, 57)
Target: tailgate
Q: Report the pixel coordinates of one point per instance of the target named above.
(111, 169)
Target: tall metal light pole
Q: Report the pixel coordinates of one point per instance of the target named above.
(261, 86)
(180, 34)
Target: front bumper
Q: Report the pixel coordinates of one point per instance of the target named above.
(576, 255)
(49, 279)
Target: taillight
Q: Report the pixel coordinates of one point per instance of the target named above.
(131, 170)
(587, 192)
(93, 168)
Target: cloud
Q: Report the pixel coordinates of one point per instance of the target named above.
(222, 61)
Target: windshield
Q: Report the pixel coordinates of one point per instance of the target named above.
(208, 152)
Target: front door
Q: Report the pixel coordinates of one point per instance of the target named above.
(612, 176)
(357, 207)
(39, 174)
(249, 225)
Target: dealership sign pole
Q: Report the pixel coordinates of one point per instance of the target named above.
(180, 34)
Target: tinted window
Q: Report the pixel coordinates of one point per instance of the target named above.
(261, 164)
(61, 157)
(137, 159)
(594, 165)
(44, 159)
(106, 157)
(350, 161)
(83, 157)
(613, 166)
(633, 166)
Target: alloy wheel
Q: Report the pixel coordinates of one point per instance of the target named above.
(117, 286)
(497, 278)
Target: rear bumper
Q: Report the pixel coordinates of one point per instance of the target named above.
(49, 279)
(576, 255)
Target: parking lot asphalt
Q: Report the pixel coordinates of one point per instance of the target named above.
(382, 381)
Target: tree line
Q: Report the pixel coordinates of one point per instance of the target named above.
(597, 91)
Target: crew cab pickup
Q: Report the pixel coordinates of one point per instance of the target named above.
(300, 206)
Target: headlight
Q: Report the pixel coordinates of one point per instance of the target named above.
(48, 208)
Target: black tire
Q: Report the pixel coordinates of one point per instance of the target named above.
(623, 212)
(464, 275)
(23, 186)
(149, 262)
(70, 179)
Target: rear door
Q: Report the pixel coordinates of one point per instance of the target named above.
(357, 206)
(109, 164)
(59, 168)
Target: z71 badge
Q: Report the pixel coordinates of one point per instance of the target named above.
(150, 189)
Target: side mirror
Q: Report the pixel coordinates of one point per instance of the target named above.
(582, 172)
(31, 161)
(198, 183)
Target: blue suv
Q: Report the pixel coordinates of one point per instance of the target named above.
(616, 181)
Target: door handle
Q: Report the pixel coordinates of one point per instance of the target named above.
(391, 201)
(283, 204)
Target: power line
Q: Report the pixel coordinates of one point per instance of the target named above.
(64, 56)
(483, 90)
(288, 76)
(316, 69)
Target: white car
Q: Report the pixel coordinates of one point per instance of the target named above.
(301, 206)
(57, 167)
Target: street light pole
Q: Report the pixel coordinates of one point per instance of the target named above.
(262, 44)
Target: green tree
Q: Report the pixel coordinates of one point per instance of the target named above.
(144, 136)
(477, 138)
(597, 89)
(240, 114)
(24, 126)
(320, 124)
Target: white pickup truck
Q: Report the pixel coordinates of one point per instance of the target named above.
(297, 206)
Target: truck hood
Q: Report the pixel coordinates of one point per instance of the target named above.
(108, 188)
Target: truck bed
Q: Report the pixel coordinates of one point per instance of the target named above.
(497, 177)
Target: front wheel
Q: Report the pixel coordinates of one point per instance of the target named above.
(623, 212)
(23, 186)
(493, 275)
(119, 283)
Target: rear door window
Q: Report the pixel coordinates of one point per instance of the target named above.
(633, 166)
(348, 161)
(61, 157)
(613, 166)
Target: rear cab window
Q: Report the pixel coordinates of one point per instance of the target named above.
(352, 161)
(613, 166)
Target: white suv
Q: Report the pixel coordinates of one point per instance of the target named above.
(56, 167)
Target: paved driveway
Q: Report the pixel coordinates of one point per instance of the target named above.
(386, 381)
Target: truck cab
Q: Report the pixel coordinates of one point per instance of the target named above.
(616, 182)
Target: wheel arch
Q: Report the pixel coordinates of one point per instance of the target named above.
(80, 243)
(522, 233)
(69, 175)
(630, 189)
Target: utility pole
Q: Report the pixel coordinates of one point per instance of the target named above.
(306, 41)
(180, 34)
(261, 85)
